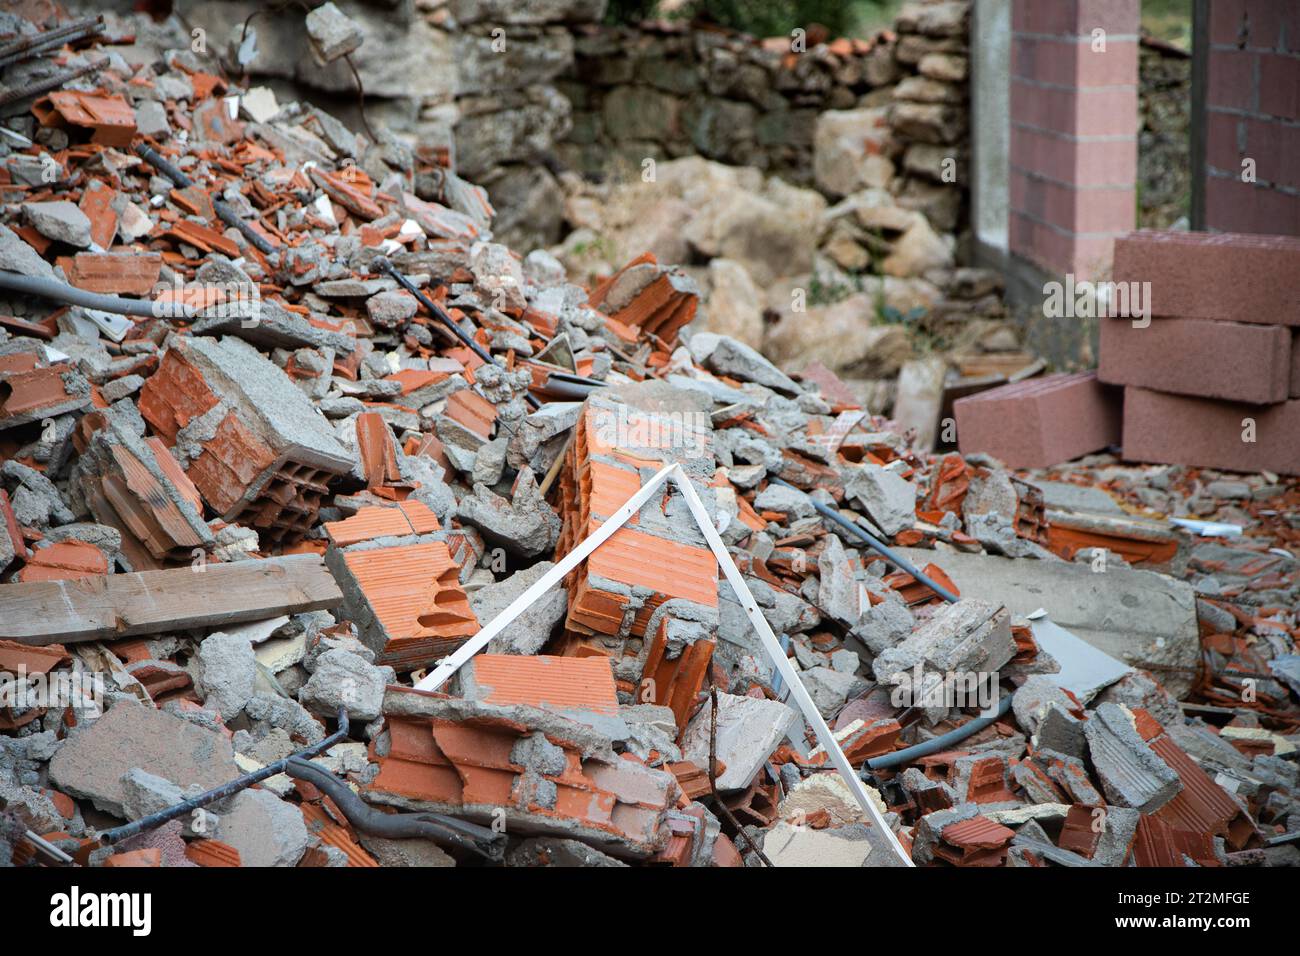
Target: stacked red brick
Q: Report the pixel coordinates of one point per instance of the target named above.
(1214, 378)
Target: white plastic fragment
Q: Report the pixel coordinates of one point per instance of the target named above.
(1209, 529)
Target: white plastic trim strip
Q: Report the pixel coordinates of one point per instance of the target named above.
(571, 560)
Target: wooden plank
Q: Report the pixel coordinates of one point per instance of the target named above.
(153, 602)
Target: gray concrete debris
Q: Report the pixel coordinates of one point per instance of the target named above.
(406, 853)
(227, 673)
(831, 688)
(726, 356)
(1130, 772)
(1157, 623)
(550, 851)
(888, 500)
(332, 33)
(265, 830)
(93, 761)
(525, 525)
(749, 730)
(789, 501)
(17, 256)
(60, 220)
(969, 637)
(343, 679)
(528, 632)
(788, 845)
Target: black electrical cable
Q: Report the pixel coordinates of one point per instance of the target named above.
(225, 212)
(382, 265)
(118, 834)
(398, 826)
(876, 545)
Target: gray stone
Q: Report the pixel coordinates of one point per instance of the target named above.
(17, 256)
(529, 632)
(343, 679)
(838, 590)
(841, 335)
(789, 501)
(749, 730)
(1034, 698)
(145, 793)
(1131, 774)
(265, 830)
(885, 624)
(726, 356)
(889, 500)
(391, 309)
(526, 525)
(968, 637)
(850, 151)
(735, 305)
(60, 220)
(120, 388)
(554, 851)
(227, 673)
(406, 852)
(92, 762)
(831, 688)
(151, 119)
(788, 845)
(333, 35)
(42, 501)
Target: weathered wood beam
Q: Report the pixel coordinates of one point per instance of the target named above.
(153, 602)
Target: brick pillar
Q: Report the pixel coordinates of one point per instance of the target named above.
(1253, 112)
(1074, 122)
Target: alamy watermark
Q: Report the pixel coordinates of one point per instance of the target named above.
(684, 432)
(921, 688)
(1085, 299)
(211, 300)
(77, 689)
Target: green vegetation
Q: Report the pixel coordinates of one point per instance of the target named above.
(767, 17)
(1169, 20)
(820, 293)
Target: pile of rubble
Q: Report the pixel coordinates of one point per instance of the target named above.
(287, 438)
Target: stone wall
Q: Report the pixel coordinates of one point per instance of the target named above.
(886, 112)
(663, 91)
(1164, 147)
(517, 91)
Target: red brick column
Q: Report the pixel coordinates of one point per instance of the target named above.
(1074, 120)
(1253, 112)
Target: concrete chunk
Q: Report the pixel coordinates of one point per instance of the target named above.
(60, 220)
(92, 762)
(749, 730)
(265, 830)
(1134, 616)
(332, 33)
(966, 637)
(227, 673)
(1131, 773)
(889, 501)
(528, 632)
